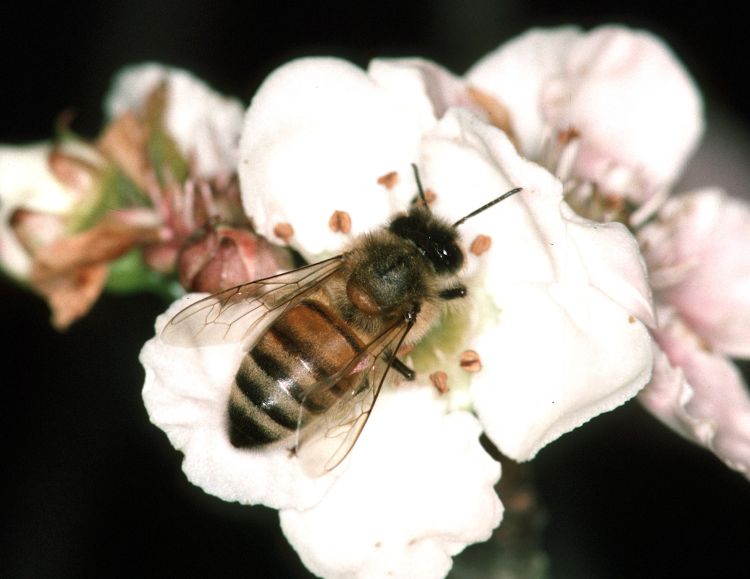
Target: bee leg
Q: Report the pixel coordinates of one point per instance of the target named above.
(453, 293)
(403, 369)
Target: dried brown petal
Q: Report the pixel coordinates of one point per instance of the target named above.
(470, 361)
(71, 297)
(156, 104)
(389, 180)
(284, 231)
(480, 244)
(439, 380)
(70, 272)
(340, 221)
(123, 141)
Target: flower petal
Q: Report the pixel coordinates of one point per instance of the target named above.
(700, 394)
(205, 124)
(555, 297)
(614, 264)
(516, 74)
(318, 136)
(425, 87)
(697, 252)
(418, 489)
(186, 395)
(636, 110)
(558, 357)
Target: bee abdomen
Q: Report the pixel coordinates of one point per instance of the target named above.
(289, 368)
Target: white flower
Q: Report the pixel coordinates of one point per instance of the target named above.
(634, 108)
(205, 124)
(553, 305)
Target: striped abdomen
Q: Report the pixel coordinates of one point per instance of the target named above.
(305, 345)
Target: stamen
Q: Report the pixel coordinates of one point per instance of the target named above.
(389, 180)
(340, 221)
(283, 231)
(470, 361)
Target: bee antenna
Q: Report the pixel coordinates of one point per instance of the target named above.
(419, 185)
(488, 205)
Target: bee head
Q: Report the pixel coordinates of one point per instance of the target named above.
(435, 239)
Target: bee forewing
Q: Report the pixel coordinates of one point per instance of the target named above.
(239, 313)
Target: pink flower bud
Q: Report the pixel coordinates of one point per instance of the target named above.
(225, 257)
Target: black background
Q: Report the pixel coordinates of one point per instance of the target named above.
(90, 488)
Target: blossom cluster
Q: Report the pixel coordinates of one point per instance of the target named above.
(151, 204)
(596, 284)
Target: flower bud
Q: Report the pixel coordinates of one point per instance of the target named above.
(225, 257)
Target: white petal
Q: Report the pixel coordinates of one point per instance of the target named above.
(516, 74)
(558, 357)
(613, 263)
(418, 489)
(205, 124)
(317, 137)
(552, 346)
(426, 88)
(186, 395)
(27, 182)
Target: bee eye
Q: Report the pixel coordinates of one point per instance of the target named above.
(433, 239)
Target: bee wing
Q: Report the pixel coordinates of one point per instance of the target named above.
(323, 442)
(231, 316)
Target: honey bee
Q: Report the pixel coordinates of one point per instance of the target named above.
(321, 339)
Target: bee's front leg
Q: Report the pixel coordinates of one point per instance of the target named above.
(403, 369)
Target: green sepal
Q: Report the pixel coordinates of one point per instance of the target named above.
(129, 274)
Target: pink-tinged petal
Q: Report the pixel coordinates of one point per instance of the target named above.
(205, 124)
(697, 253)
(320, 136)
(516, 75)
(554, 295)
(428, 89)
(636, 110)
(700, 394)
(418, 489)
(186, 394)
